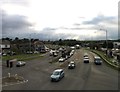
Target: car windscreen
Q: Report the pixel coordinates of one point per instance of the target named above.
(98, 60)
(56, 73)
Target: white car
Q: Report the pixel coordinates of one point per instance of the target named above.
(57, 75)
(20, 63)
(61, 59)
(71, 65)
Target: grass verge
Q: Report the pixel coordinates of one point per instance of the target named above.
(23, 57)
(106, 59)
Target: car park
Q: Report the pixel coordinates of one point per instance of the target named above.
(71, 65)
(57, 75)
(61, 59)
(97, 60)
(20, 63)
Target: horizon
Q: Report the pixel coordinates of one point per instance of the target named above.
(63, 19)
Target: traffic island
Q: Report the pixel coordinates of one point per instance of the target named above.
(12, 80)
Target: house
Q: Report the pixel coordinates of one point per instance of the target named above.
(40, 46)
(4, 45)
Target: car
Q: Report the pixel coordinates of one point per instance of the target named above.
(71, 65)
(85, 55)
(29, 52)
(4, 54)
(20, 63)
(86, 60)
(55, 54)
(61, 59)
(97, 60)
(66, 57)
(57, 75)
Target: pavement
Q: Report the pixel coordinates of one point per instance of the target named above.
(86, 76)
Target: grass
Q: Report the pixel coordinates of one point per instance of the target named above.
(22, 57)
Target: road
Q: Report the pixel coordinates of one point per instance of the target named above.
(83, 77)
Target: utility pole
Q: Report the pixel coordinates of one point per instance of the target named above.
(30, 43)
(106, 41)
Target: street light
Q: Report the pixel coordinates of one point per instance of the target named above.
(106, 40)
(30, 43)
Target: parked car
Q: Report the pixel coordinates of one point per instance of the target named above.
(71, 65)
(4, 54)
(97, 60)
(20, 63)
(61, 59)
(57, 75)
(55, 54)
(36, 52)
(29, 52)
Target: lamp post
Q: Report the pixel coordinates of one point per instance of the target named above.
(106, 40)
(30, 43)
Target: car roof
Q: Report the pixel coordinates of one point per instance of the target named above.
(72, 62)
(20, 61)
(58, 70)
(86, 59)
(97, 57)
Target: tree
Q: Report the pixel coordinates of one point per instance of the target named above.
(110, 45)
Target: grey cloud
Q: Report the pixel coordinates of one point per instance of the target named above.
(17, 2)
(99, 19)
(48, 34)
(13, 24)
(76, 24)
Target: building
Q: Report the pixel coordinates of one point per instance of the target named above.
(116, 44)
(40, 46)
(4, 45)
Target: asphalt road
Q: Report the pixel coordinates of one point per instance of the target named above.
(83, 77)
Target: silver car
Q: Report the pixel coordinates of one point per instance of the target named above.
(71, 65)
(20, 63)
(57, 75)
(61, 59)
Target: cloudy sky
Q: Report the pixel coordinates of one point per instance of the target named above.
(60, 19)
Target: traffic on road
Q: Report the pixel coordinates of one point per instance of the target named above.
(69, 68)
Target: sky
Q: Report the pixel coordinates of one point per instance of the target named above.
(60, 19)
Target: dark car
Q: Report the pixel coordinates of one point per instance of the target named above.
(97, 60)
(57, 75)
(71, 65)
(20, 63)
